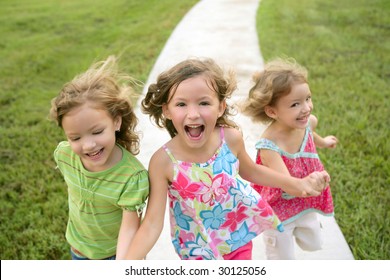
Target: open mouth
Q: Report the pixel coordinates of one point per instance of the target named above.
(95, 155)
(303, 119)
(194, 131)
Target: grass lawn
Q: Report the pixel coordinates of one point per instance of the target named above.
(44, 44)
(345, 46)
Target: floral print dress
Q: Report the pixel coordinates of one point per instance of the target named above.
(213, 211)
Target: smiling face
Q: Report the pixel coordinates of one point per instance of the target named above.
(293, 110)
(194, 109)
(91, 134)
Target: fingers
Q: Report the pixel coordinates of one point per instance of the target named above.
(331, 141)
(311, 193)
(326, 176)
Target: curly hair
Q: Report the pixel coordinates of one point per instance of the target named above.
(109, 90)
(275, 81)
(160, 93)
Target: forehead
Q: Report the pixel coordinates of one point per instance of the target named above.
(84, 117)
(197, 86)
(298, 90)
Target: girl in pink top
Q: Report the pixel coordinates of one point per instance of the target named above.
(282, 98)
(214, 212)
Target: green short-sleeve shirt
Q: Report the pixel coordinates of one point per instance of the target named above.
(97, 200)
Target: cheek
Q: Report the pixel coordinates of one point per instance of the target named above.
(76, 147)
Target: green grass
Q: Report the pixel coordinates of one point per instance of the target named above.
(345, 46)
(44, 44)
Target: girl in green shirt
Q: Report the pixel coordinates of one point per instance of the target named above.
(107, 185)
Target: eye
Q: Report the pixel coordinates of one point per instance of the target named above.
(204, 103)
(294, 105)
(98, 132)
(180, 104)
(308, 98)
(73, 139)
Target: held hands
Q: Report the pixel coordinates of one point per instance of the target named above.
(315, 183)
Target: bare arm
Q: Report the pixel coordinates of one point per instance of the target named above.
(129, 226)
(262, 175)
(153, 222)
(329, 141)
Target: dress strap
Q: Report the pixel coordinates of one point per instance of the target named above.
(265, 144)
(169, 154)
(222, 133)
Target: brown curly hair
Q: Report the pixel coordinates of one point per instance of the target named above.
(158, 93)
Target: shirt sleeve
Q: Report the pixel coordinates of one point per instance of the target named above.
(135, 193)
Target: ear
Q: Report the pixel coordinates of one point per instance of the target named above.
(118, 123)
(222, 108)
(166, 112)
(270, 111)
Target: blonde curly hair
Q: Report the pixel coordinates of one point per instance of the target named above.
(110, 90)
(274, 82)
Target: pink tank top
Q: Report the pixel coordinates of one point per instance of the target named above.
(301, 164)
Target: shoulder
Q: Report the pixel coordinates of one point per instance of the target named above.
(63, 150)
(131, 160)
(63, 145)
(160, 161)
(160, 168)
(313, 121)
(274, 133)
(232, 135)
(234, 140)
(266, 144)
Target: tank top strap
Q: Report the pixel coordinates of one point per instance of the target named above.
(222, 133)
(169, 153)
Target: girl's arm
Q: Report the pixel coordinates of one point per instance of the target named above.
(262, 175)
(275, 162)
(322, 142)
(153, 223)
(129, 226)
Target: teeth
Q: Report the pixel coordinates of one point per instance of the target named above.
(193, 126)
(94, 154)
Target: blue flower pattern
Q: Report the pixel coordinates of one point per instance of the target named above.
(224, 161)
(199, 248)
(241, 237)
(181, 219)
(214, 218)
(244, 194)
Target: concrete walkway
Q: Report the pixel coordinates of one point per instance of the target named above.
(224, 30)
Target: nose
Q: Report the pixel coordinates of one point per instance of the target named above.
(89, 144)
(308, 106)
(192, 112)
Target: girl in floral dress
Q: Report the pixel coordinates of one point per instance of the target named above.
(214, 212)
(282, 98)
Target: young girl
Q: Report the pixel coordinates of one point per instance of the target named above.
(214, 213)
(281, 97)
(107, 185)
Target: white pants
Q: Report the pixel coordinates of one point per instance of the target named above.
(307, 233)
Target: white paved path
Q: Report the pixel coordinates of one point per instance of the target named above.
(224, 30)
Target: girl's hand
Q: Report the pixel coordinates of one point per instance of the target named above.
(330, 142)
(315, 183)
